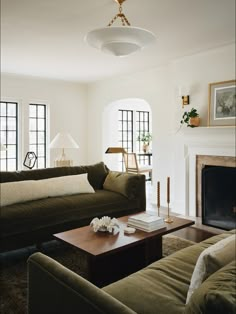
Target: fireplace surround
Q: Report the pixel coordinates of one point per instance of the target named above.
(205, 149)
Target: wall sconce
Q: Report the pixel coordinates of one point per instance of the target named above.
(185, 100)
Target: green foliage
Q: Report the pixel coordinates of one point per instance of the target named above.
(187, 115)
(145, 138)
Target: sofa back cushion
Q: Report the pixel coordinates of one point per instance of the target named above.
(217, 294)
(28, 190)
(96, 174)
(210, 260)
(122, 183)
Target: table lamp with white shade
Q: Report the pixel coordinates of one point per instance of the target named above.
(63, 140)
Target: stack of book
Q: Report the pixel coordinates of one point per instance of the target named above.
(146, 222)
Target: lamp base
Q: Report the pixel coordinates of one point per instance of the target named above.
(63, 163)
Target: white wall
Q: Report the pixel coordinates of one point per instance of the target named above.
(67, 107)
(159, 87)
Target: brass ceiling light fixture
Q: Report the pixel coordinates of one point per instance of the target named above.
(119, 41)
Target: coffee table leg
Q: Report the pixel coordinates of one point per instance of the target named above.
(153, 250)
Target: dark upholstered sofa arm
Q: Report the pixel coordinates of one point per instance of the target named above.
(130, 185)
(54, 289)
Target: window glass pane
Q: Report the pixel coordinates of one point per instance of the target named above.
(11, 123)
(32, 138)
(33, 125)
(40, 162)
(11, 109)
(3, 109)
(3, 154)
(11, 151)
(41, 151)
(3, 165)
(41, 124)
(11, 137)
(3, 123)
(11, 164)
(41, 111)
(33, 148)
(3, 137)
(32, 111)
(41, 137)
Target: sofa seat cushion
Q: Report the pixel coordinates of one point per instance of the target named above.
(43, 213)
(163, 285)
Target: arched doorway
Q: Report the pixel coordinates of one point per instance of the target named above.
(123, 121)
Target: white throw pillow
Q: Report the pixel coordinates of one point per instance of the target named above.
(23, 191)
(67, 185)
(210, 260)
(19, 192)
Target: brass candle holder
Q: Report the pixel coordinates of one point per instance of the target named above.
(168, 219)
(158, 198)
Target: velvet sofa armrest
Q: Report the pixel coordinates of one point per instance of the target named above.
(54, 289)
(132, 186)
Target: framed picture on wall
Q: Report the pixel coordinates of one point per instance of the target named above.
(222, 103)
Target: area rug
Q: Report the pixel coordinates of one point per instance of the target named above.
(13, 275)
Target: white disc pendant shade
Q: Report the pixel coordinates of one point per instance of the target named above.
(119, 41)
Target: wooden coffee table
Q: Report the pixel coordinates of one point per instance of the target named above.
(112, 256)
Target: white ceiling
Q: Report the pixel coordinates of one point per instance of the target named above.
(45, 38)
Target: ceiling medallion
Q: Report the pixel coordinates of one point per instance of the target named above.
(119, 41)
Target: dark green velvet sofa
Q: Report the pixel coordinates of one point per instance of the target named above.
(35, 221)
(160, 288)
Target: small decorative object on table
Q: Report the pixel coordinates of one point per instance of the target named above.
(105, 224)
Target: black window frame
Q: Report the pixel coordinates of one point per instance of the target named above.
(37, 105)
(142, 120)
(7, 130)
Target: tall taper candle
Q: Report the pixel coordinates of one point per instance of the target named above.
(158, 194)
(168, 189)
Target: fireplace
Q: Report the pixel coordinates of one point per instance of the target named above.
(218, 197)
(215, 191)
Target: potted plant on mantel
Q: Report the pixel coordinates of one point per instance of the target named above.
(145, 138)
(191, 118)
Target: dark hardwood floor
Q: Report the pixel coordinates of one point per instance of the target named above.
(194, 234)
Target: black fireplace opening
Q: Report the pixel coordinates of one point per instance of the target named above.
(218, 197)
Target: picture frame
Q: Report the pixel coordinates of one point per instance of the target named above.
(222, 103)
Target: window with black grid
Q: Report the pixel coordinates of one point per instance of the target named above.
(125, 129)
(142, 127)
(9, 135)
(37, 133)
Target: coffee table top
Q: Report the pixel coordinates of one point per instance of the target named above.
(101, 243)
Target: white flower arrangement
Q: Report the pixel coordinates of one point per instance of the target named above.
(104, 224)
